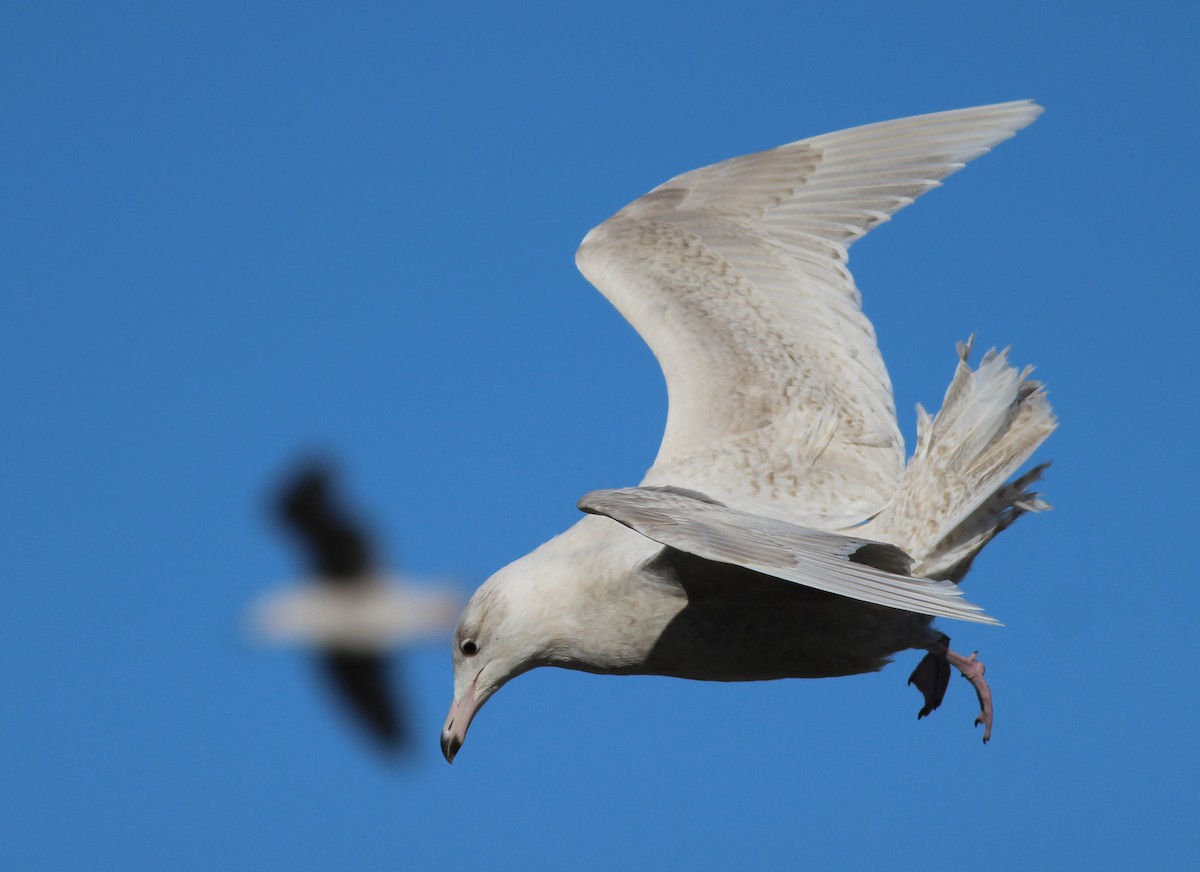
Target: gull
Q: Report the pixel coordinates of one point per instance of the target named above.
(352, 612)
(779, 532)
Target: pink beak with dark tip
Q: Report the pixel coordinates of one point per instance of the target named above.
(454, 733)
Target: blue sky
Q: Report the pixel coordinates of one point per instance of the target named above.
(233, 232)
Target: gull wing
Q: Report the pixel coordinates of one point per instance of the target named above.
(360, 679)
(336, 545)
(860, 569)
(735, 276)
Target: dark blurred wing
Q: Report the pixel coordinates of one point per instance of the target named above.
(860, 569)
(336, 545)
(361, 679)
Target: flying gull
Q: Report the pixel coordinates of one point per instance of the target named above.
(779, 532)
(352, 612)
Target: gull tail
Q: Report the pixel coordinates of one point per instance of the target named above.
(953, 498)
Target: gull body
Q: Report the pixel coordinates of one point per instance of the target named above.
(378, 613)
(780, 532)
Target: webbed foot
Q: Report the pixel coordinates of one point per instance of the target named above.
(932, 676)
(972, 670)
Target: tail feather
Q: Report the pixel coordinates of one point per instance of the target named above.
(954, 554)
(953, 500)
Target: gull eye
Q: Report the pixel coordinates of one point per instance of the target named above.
(468, 647)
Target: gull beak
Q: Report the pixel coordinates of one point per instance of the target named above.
(454, 733)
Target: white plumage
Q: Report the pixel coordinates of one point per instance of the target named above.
(379, 614)
(782, 460)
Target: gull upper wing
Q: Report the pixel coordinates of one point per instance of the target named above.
(856, 568)
(735, 276)
(336, 545)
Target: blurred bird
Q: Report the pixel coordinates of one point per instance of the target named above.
(353, 613)
(779, 533)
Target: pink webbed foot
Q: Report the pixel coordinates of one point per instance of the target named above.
(932, 676)
(972, 670)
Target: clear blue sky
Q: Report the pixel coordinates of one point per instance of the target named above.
(234, 231)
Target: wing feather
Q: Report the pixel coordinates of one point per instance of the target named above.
(735, 275)
(814, 558)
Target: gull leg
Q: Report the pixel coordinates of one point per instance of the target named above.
(932, 676)
(972, 670)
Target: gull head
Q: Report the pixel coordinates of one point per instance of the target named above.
(576, 602)
(493, 643)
